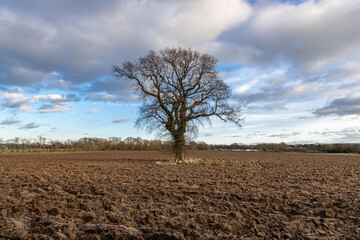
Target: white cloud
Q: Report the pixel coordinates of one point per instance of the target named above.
(49, 97)
(50, 108)
(204, 20)
(16, 99)
(93, 110)
(313, 35)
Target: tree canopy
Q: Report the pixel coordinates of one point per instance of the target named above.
(179, 89)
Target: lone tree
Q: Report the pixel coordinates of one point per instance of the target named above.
(179, 89)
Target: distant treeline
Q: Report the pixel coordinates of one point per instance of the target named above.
(283, 147)
(42, 144)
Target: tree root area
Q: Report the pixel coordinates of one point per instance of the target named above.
(227, 195)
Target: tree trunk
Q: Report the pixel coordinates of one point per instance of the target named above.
(179, 147)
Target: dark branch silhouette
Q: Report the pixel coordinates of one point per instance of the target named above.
(180, 89)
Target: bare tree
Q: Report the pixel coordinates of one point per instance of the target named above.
(180, 89)
(41, 142)
(16, 142)
(25, 143)
(115, 141)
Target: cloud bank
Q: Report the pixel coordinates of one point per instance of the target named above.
(300, 58)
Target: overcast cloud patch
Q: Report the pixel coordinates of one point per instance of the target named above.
(10, 122)
(284, 135)
(347, 135)
(30, 126)
(304, 41)
(348, 105)
(121, 121)
(271, 92)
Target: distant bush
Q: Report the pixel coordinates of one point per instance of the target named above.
(341, 148)
(272, 147)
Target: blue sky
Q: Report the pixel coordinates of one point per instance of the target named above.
(294, 66)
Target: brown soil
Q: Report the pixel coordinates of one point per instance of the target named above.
(228, 195)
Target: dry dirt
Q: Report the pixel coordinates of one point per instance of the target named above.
(228, 195)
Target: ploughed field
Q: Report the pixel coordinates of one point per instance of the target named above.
(227, 195)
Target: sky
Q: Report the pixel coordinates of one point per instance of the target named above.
(293, 66)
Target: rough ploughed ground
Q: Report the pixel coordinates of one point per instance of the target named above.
(228, 195)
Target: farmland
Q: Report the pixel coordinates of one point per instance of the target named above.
(227, 195)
